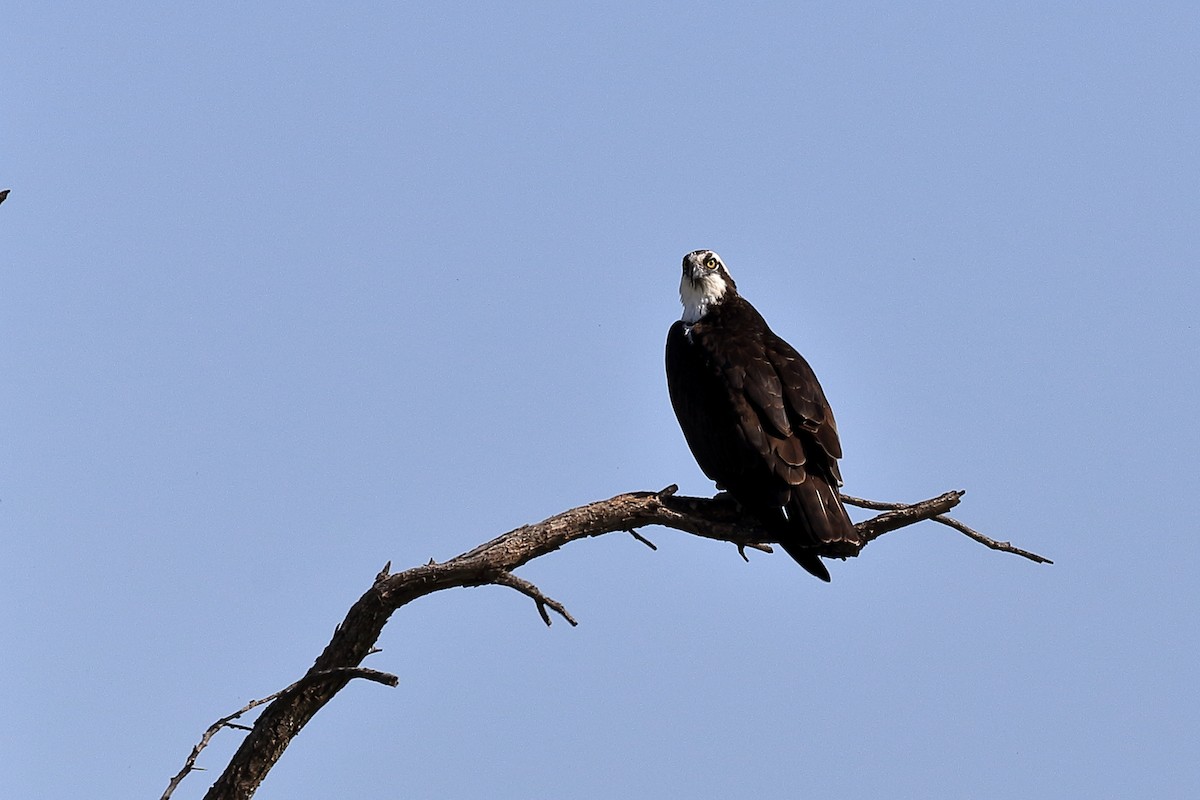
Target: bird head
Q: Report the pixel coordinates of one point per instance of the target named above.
(705, 283)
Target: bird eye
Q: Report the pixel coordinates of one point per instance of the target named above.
(711, 262)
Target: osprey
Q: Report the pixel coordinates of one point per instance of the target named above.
(755, 417)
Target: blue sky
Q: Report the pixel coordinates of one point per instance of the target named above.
(294, 290)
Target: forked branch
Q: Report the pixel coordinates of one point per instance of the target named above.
(493, 562)
(882, 523)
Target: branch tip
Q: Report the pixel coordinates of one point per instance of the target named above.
(1004, 547)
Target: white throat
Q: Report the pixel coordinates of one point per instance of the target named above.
(698, 297)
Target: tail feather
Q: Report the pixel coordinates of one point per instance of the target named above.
(818, 525)
(805, 557)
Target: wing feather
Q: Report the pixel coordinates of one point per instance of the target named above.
(766, 391)
(805, 400)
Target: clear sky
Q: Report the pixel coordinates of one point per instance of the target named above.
(292, 290)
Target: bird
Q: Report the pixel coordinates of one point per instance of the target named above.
(755, 417)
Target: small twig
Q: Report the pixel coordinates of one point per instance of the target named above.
(227, 722)
(526, 588)
(224, 722)
(1006, 547)
(759, 546)
(642, 539)
(874, 505)
(367, 674)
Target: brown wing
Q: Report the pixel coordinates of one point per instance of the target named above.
(805, 402)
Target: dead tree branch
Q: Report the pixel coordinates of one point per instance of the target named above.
(529, 590)
(883, 520)
(228, 722)
(718, 518)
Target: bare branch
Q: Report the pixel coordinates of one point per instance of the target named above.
(874, 505)
(189, 765)
(529, 590)
(1005, 547)
(719, 518)
(903, 515)
(227, 722)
